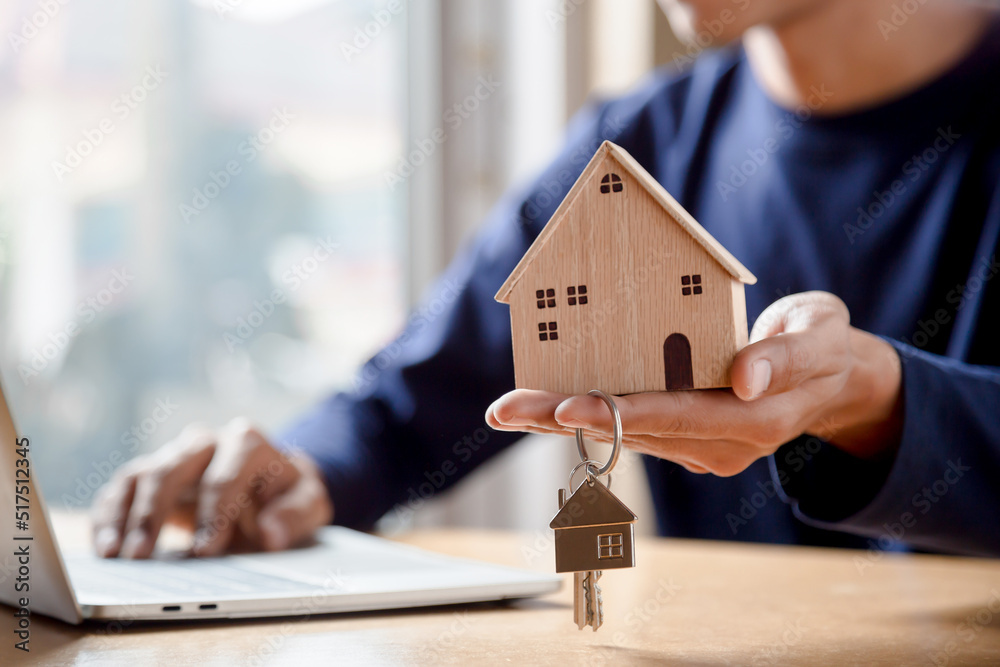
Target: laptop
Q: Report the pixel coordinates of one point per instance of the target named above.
(341, 571)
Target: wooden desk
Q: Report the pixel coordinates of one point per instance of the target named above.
(687, 602)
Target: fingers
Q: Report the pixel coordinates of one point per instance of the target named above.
(236, 483)
(244, 473)
(802, 342)
(131, 509)
(797, 312)
(701, 415)
(525, 409)
(704, 431)
(110, 512)
(797, 338)
(158, 490)
(720, 457)
(294, 515)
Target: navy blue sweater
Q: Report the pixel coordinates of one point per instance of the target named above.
(894, 209)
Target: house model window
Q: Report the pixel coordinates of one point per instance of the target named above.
(611, 183)
(546, 297)
(577, 295)
(662, 339)
(548, 331)
(691, 285)
(609, 546)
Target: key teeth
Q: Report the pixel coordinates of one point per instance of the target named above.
(593, 602)
(581, 588)
(599, 599)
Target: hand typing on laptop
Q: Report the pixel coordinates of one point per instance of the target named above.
(229, 485)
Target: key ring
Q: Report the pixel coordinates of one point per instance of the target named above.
(590, 467)
(616, 445)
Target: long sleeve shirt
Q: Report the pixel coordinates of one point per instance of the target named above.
(895, 209)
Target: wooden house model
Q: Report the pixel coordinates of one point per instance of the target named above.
(593, 531)
(624, 291)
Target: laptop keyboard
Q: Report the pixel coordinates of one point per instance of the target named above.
(190, 578)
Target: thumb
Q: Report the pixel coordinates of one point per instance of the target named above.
(292, 516)
(796, 338)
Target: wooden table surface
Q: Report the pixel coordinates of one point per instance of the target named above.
(686, 602)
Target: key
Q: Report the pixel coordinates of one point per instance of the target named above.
(587, 604)
(595, 603)
(593, 528)
(579, 600)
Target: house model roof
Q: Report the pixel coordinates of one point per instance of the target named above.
(591, 506)
(656, 191)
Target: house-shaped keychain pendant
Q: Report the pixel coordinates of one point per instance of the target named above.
(624, 291)
(594, 531)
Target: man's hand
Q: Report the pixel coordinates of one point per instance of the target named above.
(806, 370)
(231, 486)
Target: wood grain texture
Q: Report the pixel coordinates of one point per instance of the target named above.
(655, 190)
(685, 602)
(644, 262)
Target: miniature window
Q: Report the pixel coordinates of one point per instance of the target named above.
(691, 285)
(548, 331)
(609, 546)
(611, 183)
(577, 295)
(546, 298)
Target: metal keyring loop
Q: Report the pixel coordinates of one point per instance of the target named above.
(616, 445)
(591, 478)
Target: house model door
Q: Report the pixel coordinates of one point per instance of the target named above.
(677, 362)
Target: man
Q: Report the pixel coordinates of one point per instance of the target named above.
(847, 153)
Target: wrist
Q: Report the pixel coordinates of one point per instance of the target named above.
(867, 419)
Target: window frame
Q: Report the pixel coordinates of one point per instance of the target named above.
(616, 548)
(692, 285)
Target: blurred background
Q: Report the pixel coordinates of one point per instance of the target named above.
(212, 208)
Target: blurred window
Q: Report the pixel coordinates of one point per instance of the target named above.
(194, 200)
